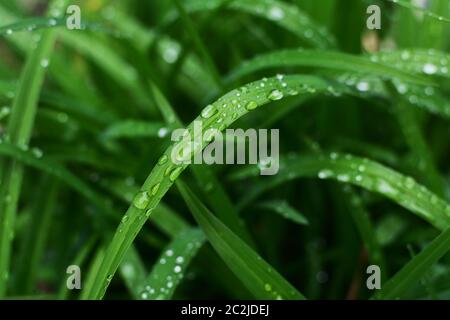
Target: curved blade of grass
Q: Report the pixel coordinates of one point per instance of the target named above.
(285, 210)
(133, 272)
(136, 129)
(416, 268)
(36, 24)
(92, 273)
(415, 140)
(164, 217)
(19, 131)
(163, 175)
(171, 266)
(361, 172)
(428, 13)
(417, 61)
(216, 195)
(323, 59)
(428, 98)
(366, 230)
(257, 275)
(285, 15)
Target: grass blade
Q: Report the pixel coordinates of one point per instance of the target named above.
(171, 266)
(361, 172)
(19, 131)
(285, 210)
(283, 14)
(324, 59)
(257, 275)
(133, 272)
(136, 129)
(416, 268)
(428, 13)
(165, 173)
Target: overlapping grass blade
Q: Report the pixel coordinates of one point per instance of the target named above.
(257, 275)
(136, 129)
(217, 196)
(361, 172)
(410, 274)
(428, 13)
(324, 59)
(283, 14)
(285, 210)
(171, 266)
(417, 61)
(133, 272)
(19, 131)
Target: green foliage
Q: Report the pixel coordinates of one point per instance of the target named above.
(86, 173)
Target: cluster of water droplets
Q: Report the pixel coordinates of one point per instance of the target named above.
(430, 62)
(291, 18)
(169, 271)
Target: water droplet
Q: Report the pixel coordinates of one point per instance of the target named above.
(362, 86)
(155, 189)
(275, 95)
(429, 68)
(405, 55)
(267, 287)
(177, 269)
(37, 152)
(209, 111)
(175, 173)
(251, 105)
(141, 200)
(324, 174)
(343, 178)
(409, 182)
(44, 63)
(385, 188)
(125, 218)
(162, 160)
(179, 260)
(9, 32)
(162, 132)
(276, 13)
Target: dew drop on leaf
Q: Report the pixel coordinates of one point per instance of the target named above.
(251, 105)
(141, 200)
(209, 111)
(275, 95)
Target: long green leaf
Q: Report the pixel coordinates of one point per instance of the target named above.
(361, 172)
(19, 131)
(324, 59)
(257, 275)
(283, 14)
(416, 268)
(170, 268)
